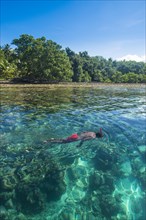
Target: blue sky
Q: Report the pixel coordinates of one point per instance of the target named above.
(105, 28)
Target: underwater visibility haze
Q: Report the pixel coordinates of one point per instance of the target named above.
(103, 179)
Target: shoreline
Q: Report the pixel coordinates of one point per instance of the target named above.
(4, 84)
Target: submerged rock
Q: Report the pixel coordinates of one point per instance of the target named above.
(142, 150)
(126, 169)
(29, 181)
(3, 212)
(109, 206)
(20, 217)
(105, 159)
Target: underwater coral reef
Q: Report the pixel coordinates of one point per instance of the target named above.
(32, 182)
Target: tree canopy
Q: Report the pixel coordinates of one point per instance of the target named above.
(42, 60)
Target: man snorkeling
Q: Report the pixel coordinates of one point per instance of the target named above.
(84, 136)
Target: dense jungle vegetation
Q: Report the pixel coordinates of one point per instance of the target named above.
(40, 60)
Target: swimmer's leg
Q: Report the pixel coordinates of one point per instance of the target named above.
(52, 140)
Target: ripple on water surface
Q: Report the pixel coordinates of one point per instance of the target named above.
(100, 179)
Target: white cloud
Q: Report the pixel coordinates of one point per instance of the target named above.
(133, 57)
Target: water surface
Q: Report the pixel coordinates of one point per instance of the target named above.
(102, 179)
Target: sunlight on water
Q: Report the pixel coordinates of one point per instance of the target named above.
(102, 179)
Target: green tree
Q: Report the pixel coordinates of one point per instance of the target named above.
(130, 78)
(78, 72)
(85, 77)
(7, 70)
(97, 76)
(117, 77)
(142, 78)
(42, 60)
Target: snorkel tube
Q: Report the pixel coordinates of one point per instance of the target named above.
(100, 133)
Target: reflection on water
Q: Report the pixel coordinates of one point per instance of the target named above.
(103, 179)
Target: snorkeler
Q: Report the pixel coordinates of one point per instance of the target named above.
(84, 136)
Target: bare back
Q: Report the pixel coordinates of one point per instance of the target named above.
(87, 135)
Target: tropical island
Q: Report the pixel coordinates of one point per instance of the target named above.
(44, 61)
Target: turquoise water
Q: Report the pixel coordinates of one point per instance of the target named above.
(102, 179)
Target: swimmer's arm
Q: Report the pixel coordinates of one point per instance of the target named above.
(80, 144)
(82, 141)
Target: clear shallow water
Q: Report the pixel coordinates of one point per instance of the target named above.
(103, 179)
